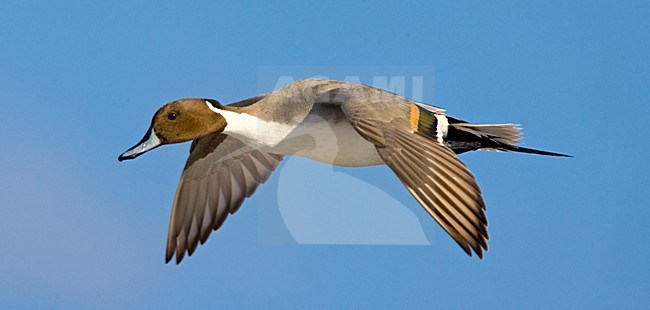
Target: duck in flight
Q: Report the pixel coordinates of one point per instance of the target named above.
(236, 147)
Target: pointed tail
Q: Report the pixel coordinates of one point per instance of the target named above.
(521, 149)
(463, 137)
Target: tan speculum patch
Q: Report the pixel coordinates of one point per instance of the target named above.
(414, 114)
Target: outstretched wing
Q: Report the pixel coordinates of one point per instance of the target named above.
(429, 169)
(220, 172)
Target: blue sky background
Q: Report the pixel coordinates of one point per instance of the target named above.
(80, 81)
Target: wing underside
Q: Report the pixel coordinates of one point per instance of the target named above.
(220, 173)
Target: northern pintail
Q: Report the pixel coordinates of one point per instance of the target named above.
(236, 147)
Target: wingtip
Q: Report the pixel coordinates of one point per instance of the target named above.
(170, 256)
(479, 253)
(167, 259)
(465, 248)
(179, 258)
(480, 250)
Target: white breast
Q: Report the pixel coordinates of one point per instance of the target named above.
(331, 140)
(252, 130)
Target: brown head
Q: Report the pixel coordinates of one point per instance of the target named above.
(176, 122)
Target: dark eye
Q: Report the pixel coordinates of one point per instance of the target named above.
(171, 116)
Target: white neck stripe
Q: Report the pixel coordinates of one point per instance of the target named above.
(251, 129)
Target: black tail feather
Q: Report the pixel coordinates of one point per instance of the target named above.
(521, 149)
(463, 136)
